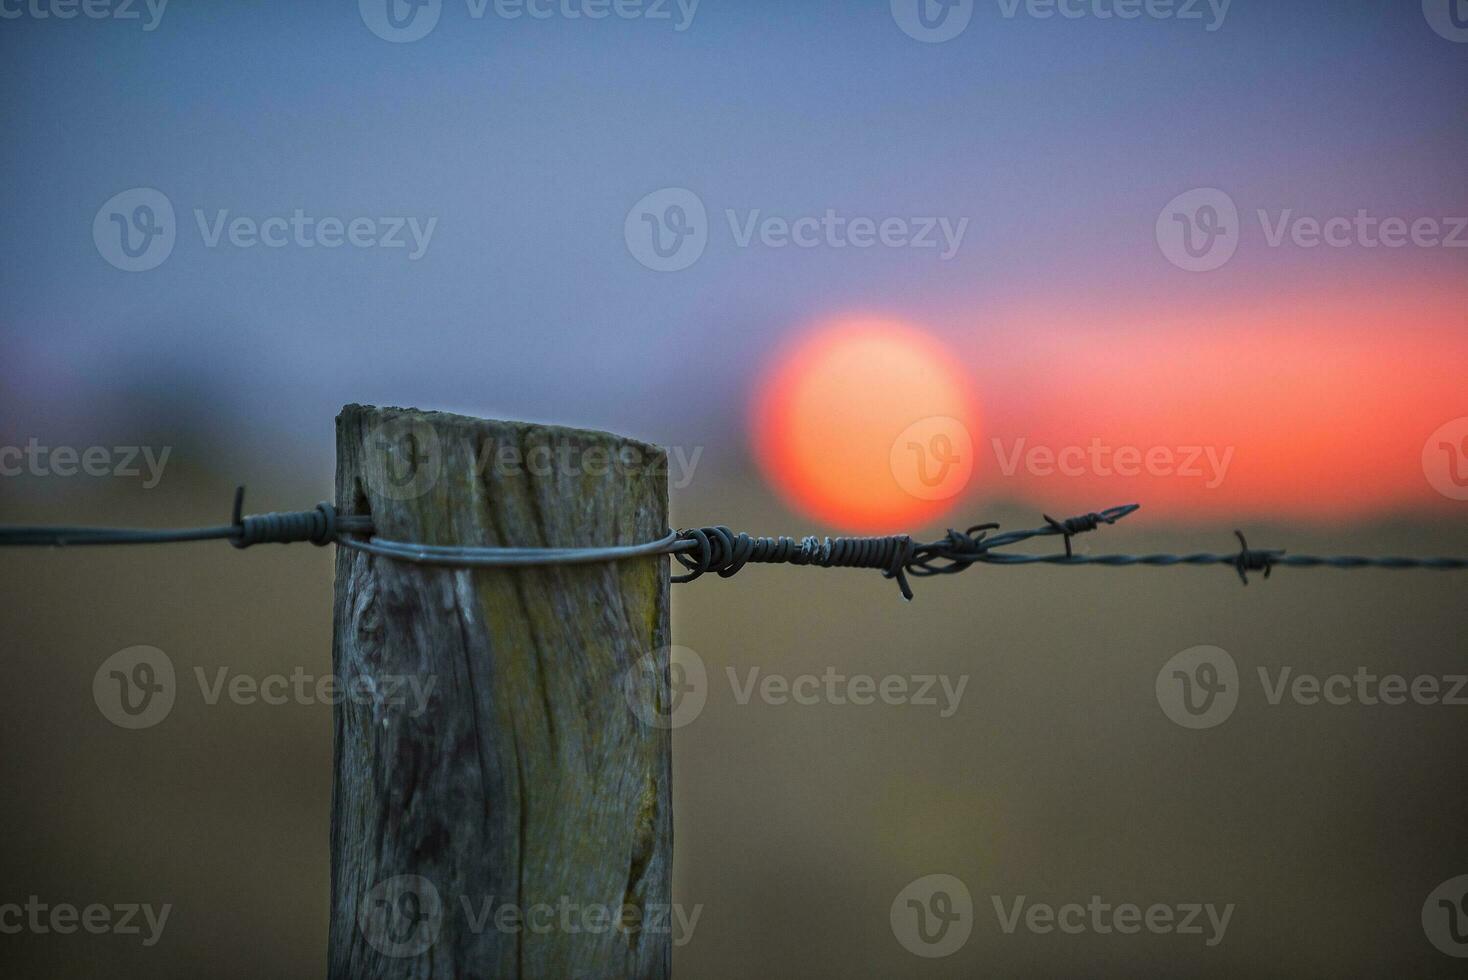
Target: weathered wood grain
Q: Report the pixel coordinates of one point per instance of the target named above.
(525, 781)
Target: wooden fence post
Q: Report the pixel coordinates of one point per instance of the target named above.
(501, 804)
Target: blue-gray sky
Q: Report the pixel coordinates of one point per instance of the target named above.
(528, 140)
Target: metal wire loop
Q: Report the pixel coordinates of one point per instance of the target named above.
(716, 548)
(316, 526)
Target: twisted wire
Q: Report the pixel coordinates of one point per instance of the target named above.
(720, 550)
(316, 526)
(320, 526)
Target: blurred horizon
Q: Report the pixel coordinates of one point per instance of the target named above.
(527, 302)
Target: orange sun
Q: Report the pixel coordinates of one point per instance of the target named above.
(866, 424)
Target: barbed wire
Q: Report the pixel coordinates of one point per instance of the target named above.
(715, 548)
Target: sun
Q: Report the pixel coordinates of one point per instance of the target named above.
(867, 424)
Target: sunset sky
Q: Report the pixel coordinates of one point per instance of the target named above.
(1056, 317)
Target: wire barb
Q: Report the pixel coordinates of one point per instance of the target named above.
(1072, 526)
(1253, 561)
(716, 548)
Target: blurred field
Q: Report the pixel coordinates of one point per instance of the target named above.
(1058, 778)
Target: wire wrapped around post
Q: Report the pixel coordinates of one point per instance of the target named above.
(716, 548)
